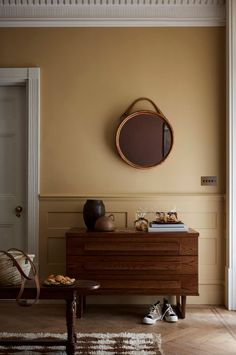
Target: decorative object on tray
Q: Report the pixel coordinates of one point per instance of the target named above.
(160, 217)
(105, 223)
(172, 217)
(167, 217)
(167, 222)
(141, 223)
(93, 209)
(59, 280)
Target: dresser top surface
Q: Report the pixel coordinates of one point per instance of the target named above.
(74, 232)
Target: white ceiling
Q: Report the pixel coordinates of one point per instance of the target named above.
(113, 13)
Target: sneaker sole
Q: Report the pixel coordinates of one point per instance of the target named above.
(171, 321)
(150, 322)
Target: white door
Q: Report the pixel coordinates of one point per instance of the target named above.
(13, 177)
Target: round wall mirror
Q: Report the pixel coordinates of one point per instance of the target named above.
(144, 138)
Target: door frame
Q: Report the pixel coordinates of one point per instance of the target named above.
(230, 269)
(30, 78)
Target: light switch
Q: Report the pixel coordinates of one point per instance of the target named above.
(208, 180)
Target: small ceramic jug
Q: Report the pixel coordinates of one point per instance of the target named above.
(105, 223)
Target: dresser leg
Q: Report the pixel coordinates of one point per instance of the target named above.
(181, 306)
(81, 302)
(178, 301)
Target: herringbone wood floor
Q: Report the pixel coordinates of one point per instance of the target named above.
(205, 330)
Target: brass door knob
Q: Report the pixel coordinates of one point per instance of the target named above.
(18, 211)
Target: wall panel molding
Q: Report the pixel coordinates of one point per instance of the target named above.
(133, 197)
(58, 214)
(111, 13)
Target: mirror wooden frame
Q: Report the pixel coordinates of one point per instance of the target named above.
(136, 142)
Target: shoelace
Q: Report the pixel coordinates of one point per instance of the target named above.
(168, 310)
(155, 309)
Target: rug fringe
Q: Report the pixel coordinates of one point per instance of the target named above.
(92, 343)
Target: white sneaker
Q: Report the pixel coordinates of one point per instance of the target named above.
(155, 313)
(168, 314)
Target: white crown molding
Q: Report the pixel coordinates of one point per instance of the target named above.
(111, 13)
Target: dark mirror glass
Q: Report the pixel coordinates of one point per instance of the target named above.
(144, 139)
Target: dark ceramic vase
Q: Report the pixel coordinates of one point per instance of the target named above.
(93, 209)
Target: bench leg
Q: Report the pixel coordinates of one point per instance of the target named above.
(70, 323)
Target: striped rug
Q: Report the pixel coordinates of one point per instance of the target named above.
(92, 343)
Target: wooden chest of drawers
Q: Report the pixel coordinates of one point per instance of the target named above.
(131, 262)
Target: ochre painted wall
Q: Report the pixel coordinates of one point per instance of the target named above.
(88, 78)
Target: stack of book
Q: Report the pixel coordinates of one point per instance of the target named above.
(167, 227)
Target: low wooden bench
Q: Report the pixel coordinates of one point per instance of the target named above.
(67, 293)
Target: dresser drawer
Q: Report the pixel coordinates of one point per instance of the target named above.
(169, 285)
(144, 246)
(143, 284)
(133, 264)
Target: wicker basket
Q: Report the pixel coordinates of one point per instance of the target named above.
(9, 274)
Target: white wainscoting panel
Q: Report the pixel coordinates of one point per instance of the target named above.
(205, 213)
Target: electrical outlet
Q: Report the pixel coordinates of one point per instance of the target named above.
(208, 180)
